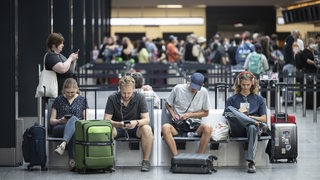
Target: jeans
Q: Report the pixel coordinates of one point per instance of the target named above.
(288, 70)
(66, 131)
(242, 126)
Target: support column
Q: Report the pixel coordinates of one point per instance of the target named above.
(78, 30)
(89, 33)
(34, 27)
(62, 23)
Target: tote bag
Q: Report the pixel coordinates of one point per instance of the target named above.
(48, 83)
(221, 132)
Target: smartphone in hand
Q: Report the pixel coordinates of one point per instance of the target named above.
(67, 116)
(126, 122)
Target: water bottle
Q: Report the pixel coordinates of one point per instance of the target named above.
(192, 134)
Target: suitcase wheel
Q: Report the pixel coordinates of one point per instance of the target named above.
(29, 167)
(44, 168)
(110, 169)
(214, 170)
(292, 160)
(273, 160)
(82, 171)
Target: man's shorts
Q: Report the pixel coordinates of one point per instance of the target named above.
(126, 133)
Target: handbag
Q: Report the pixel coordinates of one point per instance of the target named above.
(48, 83)
(188, 125)
(221, 132)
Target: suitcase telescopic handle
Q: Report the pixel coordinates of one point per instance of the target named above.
(217, 86)
(278, 86)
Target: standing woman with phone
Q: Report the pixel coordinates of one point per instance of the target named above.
(66, 110)
(55, 61)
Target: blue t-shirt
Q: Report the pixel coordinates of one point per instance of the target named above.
(257, 105)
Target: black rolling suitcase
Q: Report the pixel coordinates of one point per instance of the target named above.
(193, 163)
(284, 144)
(34, 146)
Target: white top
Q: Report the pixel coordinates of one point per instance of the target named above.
(180, 98)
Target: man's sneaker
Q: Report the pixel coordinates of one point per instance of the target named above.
(60, 149)
(251, 167)
(263, 127)
(145, 166)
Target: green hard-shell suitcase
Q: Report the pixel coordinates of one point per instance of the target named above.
(94, 146)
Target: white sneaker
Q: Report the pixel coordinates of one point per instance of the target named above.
(60, 149)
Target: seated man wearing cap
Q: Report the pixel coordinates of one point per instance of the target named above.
(190, 100)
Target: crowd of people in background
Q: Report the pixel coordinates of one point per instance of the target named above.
(256, 52)
(219, 50)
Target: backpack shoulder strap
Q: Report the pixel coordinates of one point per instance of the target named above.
(247, 46)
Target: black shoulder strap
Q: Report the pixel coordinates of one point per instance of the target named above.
(191, 102)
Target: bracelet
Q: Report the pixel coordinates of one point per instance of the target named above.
(137, 123)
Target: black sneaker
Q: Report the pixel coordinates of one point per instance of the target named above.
(263, 127)
(145, 166)
(251, 167)
(72, 165)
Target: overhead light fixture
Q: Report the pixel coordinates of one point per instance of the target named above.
(156, 21)
(238, 25)
(280, 20)
(201, 6)
(169, 6)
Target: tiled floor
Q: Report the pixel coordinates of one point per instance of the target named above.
(307, 167)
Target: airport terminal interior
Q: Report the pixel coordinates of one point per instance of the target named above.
(86, 24)
(307, 166)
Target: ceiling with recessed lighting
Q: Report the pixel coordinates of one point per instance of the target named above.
(193, 3)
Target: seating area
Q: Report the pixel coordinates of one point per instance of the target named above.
(305, 168)
(230, 152)
(161, 156)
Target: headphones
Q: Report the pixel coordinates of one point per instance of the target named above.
(249, 74)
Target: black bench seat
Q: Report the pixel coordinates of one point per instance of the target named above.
(214, 145)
